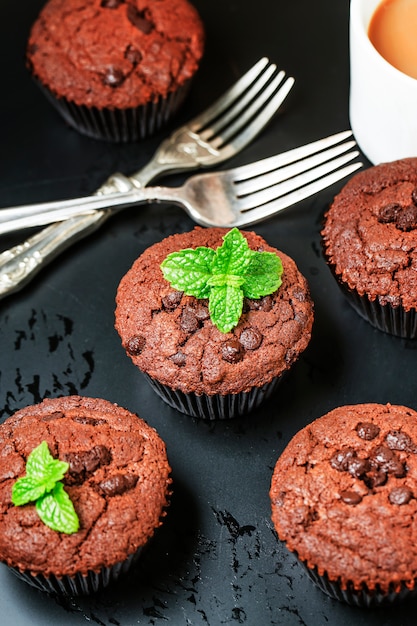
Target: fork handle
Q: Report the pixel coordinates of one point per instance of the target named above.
(20, 264)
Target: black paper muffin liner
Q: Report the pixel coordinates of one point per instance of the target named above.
(363, 597)
(79, 584)
(389, 319)
(392, 320)
(119, 125)
(214, 407)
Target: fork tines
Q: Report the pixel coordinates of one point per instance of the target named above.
(270, 185)
(250, 103)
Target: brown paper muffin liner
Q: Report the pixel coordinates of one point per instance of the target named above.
(389, 319)
(119, 125)
(79, 584)
(363, 597)
(216, 406)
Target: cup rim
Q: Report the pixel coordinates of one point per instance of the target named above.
(359, 21)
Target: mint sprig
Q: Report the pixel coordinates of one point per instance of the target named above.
(42, 485)
(225, 276)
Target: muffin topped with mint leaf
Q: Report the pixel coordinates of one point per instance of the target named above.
(213, 318)
(84, 486)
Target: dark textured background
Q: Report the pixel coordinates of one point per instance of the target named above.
(216, 560)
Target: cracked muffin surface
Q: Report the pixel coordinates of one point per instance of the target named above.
(118, 481)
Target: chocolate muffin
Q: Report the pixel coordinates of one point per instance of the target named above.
(116, 69)
(344, 499)
(370, 239)
(195, 367)
(118, 480)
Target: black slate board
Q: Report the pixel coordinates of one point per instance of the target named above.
(216, 560)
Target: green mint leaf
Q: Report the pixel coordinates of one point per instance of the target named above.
(42, 466)
(57, 511)
(233, 256)
(25, 490)
(218, 280)
(225, 307)
(263, 275)
(224, 276)
(189, 270)
(42, 473)
(41, 485)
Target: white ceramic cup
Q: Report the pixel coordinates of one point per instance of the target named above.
(383, 100)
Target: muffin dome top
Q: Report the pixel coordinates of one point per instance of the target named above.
(115, 53)
(344, 495)
(370, 233)
(118, 481)
(170, 335)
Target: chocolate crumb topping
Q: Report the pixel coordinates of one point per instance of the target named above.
(91, 421)
(263, 304)
(139, 19)
(133, 55)
(118, 484)
(53, 416)
(398, 440)
(179, 358)
(202, 310)
(351, 497)
(113, 77)
(110, 4)
(367, 430)
(341, 458)
(400, 495)
(172, 300)
(232, 351)
(385, 459)
(83, 464)
(250, 338)
(404, 218)
(188, 321)
(135, 345)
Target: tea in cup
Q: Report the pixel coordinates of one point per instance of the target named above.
(392, 31)
(383, 78)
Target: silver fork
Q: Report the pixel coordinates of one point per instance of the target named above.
(217, 134)
(235, 197)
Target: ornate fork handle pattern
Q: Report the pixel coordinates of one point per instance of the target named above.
(183, 150)
(19, 264)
